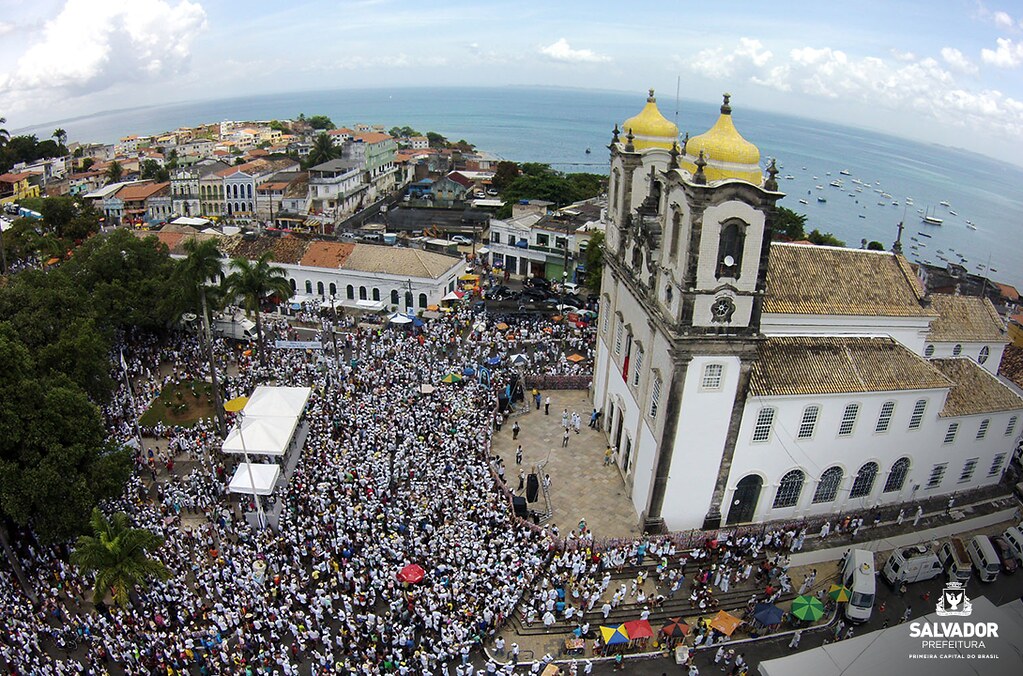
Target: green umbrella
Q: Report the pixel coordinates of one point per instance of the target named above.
(839, 592)
(451, 378)
(807, 608)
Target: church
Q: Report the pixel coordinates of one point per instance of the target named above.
(744, 380)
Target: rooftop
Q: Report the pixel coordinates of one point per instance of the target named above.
(393, 260)
(321, 254)
(833, 365)
(826, 280)
(134, 193)
(975, 391)
(965, 318)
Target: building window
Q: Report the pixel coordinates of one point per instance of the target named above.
(560, 243)
(950, 433)
(968, 469)
(292, 282)
(394, 297)
(308, 286)
(333, 289)
(730, 245)
(848, 420)
(655, 397)
(929, 351)
(984, 353)
(638, 367)
(422, 300)
(996, 465)
(626, 454)
(789, 489)
(495, 237)
(762, 430)
(827, 487)
(619, 333)
(319, 288)
(957, 350)
(1011, 426)
(543, 240)
(982, 430)
(809, 422)
(376, 293)
(712, 376)
(918, 414)
(864, 482)
(605, 307)
(884, 420)
(408, 299)
(897, 476)
(676, 226)
(362, 293)
(937, 475)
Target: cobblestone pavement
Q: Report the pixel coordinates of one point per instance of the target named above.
(581, 486)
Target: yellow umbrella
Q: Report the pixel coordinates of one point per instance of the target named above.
(614, 635)
(502, 326)
(839, 593)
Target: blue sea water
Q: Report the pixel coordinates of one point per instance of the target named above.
(556, 126)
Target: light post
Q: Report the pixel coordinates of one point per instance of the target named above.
(333, 328)
(237, 405)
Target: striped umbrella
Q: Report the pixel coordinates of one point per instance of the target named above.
(839, 593)
(807, 608)
(614, 635)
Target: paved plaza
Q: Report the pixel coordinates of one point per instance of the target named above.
(581, 486)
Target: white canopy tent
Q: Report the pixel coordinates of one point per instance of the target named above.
(399, 318)
(261, 481)
(276, 402)
(261, 436)
(451, 295)
(370, 305)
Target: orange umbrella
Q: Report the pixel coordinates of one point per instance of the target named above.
(725, 622)
(576, 358)
(548, 329)
(502, 327)
(432, 308)
(556, 318)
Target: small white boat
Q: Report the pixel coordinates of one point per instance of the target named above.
(844, 172)
(944, 203)
(971, 226)
(789, 177)
(952, 212)
(802, 201)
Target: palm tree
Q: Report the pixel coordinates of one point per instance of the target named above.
(114, 172)
(256, 281)
(60, 135)
(119, 555)
(323, 150)
(202, 264)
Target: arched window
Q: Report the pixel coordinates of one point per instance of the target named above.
(333, 289)
(884, 419)
(864, 482)
(985, 352)
(929, 351)
(394, 297)
(408, 299)
(248, 191)
(848, 420)
(308, 286)
(376, 293)
(897, 476)
(809, 422)
(350, 292)
(827, 487)
(676, 227)
(730, 245)
(789, 489)
(319, 288)
(293, 285)
(362, 293)
(422, 300)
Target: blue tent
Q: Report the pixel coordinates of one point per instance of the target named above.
(468, 371)
(767, 614)
(494, 361)
(417, 322)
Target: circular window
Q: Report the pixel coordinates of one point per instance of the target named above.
(929, 351)
(957, 350)
(984, 353)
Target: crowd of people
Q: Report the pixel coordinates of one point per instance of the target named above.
(388, 476)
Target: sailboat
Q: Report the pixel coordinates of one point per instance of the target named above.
(932, 220)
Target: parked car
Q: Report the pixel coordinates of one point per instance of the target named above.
(461, 239)
(1005, 555)
(571, 287)
(538, 283)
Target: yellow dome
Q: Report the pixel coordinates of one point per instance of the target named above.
(727, 153)
(650, 129)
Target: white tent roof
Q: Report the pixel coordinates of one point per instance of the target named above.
(371, 305)
(399, 318)
(450, 296)
(188, 220)
(262, 436)
(277, 402)
(264, 478)
(888, 651)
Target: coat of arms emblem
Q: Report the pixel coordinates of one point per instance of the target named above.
(953, 600)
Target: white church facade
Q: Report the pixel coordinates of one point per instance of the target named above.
(743, 380)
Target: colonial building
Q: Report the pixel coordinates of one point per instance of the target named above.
(746, 381)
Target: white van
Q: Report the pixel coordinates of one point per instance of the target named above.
(858, 576)
(956, 561)
(911, 564)
(985, 559)
(1014, 536)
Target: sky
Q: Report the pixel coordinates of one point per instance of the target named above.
(941, 71)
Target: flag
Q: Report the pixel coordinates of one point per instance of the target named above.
(124, 364)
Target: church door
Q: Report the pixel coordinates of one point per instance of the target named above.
(744, 500)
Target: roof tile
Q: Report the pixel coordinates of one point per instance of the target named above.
(975, 391)
(965, 318)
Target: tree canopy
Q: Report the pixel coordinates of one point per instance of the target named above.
(541, 182)
(151, 169)
(790, 226)
(27, 148)
(320, 122)
(403, 132)
(594, 261)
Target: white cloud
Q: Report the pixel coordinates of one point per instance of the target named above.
(562, 51)
(922, 85)
(6, 27)
(1003, 20)
(903, 56)
(957, 60)
(1008, 55)
(93, 44)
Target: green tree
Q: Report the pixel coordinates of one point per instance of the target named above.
(60, 135)
(151, 169)
(323, 150)
(875, 246)
(403, 132)
(114, 172)
(436, 140)
(320, 122)
(191, 279)
(788, 225)
(277, 125)
(824, 238)
(594, 261)
(87, 163)
(58, 212)
(119, 555)
(504, 174)
(540, 182)
(254, 282)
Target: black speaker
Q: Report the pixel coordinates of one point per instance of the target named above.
(519, 505)
(532, 487)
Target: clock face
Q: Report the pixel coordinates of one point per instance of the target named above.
(722, 309)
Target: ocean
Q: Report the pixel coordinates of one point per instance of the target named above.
(556, 126)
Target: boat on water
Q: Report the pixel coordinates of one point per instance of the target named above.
(909, 201)
(819, 187)
(835, 184)
(861, 215)
(944, 203)
(914, 239)
(844, 172)
(923, 234)
(587, 151)
(993, 269)
(931, 219)
(895, 203)
(822, 199)
(953, 212)
(789, 177)
(971, 226)
(802, 201)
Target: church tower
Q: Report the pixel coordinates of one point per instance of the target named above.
(685, 270)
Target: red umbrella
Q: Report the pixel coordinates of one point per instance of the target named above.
(639, 629)
(412, 573)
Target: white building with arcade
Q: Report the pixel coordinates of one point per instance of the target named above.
(744, 381)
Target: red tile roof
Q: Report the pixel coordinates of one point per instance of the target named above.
(373, 137)
(322, 254)
(14, 178)
(1008, 291)
(135, 192)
